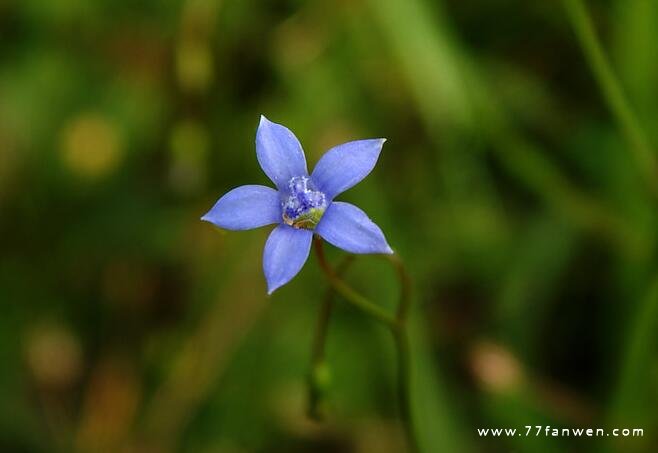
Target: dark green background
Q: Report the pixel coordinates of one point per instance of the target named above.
(506, 184)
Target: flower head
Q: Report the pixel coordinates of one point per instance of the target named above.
(302, 204)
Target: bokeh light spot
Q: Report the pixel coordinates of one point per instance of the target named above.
(91, 146)
(53, 356)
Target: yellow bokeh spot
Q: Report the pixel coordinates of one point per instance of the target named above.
(91, 146)
(194, 65)
(53, 355)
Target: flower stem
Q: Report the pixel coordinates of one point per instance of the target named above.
(613, 93)
(405, 287)
(319, 373)
(397, 325)
(403, 345)
(348, 293)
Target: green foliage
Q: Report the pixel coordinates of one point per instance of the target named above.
(517, 182)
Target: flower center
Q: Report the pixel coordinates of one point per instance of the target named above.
(305, 206)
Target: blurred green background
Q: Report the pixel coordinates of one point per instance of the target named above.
(507, 184)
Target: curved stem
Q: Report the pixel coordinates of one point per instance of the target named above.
(613, 93)
(319, 373)
(403, 347)
(348, 293)
(405, 287)
(397, 325)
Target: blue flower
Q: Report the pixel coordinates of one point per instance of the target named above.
(303, 204)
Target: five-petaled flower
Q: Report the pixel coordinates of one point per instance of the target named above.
(303, 204)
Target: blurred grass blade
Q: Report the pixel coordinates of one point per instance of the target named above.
(438, 421)
(632, 404)
(614, 96)
(425, 62)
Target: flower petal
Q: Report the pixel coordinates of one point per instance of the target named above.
(349, 228)
(343, 166)
(279, 153)
(286, 251)
(246, 207)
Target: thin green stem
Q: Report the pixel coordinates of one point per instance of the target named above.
(403, 347)
(405, 287)
(397, 325)
(613, 93)
(319, 375)
(356, 299)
